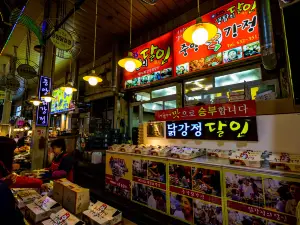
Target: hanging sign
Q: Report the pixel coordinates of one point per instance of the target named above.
(157, 59)
(235, 109)
(43, 110)
(237, 38)
(62, 39)
(237, 129)
(26, 71)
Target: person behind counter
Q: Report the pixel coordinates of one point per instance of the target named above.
(7, 147)
(62, 163)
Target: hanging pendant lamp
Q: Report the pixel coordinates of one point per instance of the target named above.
(130, 63)
(47, 98)
(35, 101)
(200, 32)
(92, 77)
(68, 88)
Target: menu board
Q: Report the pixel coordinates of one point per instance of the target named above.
(239, 129)
(195, 194)
(62, 101)
(237, 38)
(260, 199)
(169, 55)
(157, 62)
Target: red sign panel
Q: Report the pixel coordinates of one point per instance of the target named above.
(213, 111)
(237, 38)
(157, 59)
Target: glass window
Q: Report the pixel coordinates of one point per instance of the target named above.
(153, 106)
(203, 84)
(237, 78)
(142, 96)
(164, 92)
(170, 104)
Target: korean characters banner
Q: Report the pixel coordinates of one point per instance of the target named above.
(237, 39)
(230, 129)
(157, 59)
(118, 174)
(226, 110)
(195, 194)
(43, 110)
(253, 198)
(149, 186)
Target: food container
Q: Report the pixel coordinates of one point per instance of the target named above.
(161, 151)
(127, 148)
(248, 158)
(285, 161)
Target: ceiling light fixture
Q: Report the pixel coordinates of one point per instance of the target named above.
(130, 63)
(93, 78)
(47, 98)
(200, 32)
(35, 101)
(68, 88)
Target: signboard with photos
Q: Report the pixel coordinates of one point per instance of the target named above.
(170, 56)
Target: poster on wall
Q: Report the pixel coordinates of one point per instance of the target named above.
(235, 129)
(149, 186)
(195, 194)
(157, 62)
(118, 174)
(237, 39)
(260, 199)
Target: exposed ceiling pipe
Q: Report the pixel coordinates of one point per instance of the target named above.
(77, 6)
(266, 36)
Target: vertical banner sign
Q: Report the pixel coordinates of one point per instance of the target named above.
(260, 198)
(149, 187)
(237, 38)
(157, 59)
(42, 114)
(195, 194)
(118, 174)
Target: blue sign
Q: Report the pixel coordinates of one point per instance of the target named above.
(42, 114)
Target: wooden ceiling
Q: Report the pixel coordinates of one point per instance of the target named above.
(113, 23)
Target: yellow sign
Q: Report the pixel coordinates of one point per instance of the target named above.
(62, 39)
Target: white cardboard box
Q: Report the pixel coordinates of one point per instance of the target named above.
(76, 199)
(63, 217)
(58, 189)
(25, 197)
(41, 209)
(101, 214)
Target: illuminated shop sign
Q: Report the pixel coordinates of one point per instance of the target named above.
(170, 56)
(157, 62)
(42, 114)
(237, 129)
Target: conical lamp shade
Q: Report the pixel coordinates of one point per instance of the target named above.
(93, 78)
(129, 61)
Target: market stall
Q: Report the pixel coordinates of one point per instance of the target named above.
(225, 167)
